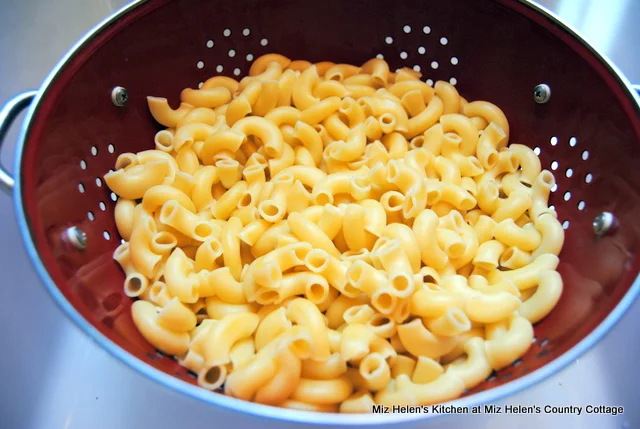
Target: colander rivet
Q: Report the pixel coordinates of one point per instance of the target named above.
(604, 223)
(119, 96)
(77, 237)
(541, 93)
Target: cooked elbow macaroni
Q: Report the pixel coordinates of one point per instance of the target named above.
(327, 237)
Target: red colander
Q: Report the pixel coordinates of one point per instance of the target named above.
(560, 95)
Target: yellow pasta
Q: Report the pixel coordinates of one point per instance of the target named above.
(328, 237)
(492, 139)
(490, 112)
(145, 317)
(552, 235)
(419, 341)
(463, 127)
(178, 217)
(475, 368)
(545, 297)
(212, 97)
(133, 182)
(164, 114)
(135, 284)
(540, 195)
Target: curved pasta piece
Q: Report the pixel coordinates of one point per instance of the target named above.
(529, 163)
(452, 323)
(405, 392)
(123, 214)
(182, 220)
(447, 170)
(402, 364)
(379, 106)
(375, 372)
(540, 195)
(366, 278)
(163, 141)
(325, 190)
(305, 313)
(514, 257)
(244, 382)
(408, 241)
(132, 183)
(300, 65)
(358, 340)
(355, 234)
(525, 277)
(207, 254)
(462, 126)
(216, 81)
(359, 402)
(526, 238)
(516, 204)
(271, 326)
(400, 88)
(358, 314)
(189, 133)
(493, 138)
(323, 392)
(155, 197)
(283, 115)
(178, 272)
(176, 316)
(552, 235)
(340, 72)
(262, 62)
(320, 111)
(475, 368)
(211, 98)
(311, 233)
(228, 140)
(352, 148)
(302, 91)
(413, 102)
(425, 119)
(164, 114)
(144, 260)
(284, 382)
(352, 111)
(434, 303)
(492, 307)
(545, 297)
(449, 95)
(329, 88)
(488, 255)
(145, 318)
(488, 111)
(512, 343)
(225, 334)
(424, 226)
(263, 129)
(419, 341)
(268, 98)
(237, 109)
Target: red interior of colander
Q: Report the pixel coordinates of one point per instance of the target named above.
(588, 134)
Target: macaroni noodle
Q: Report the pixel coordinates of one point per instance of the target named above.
(330, 237)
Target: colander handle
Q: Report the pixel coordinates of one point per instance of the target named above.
(8, 114)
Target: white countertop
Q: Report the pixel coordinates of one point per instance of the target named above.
(53, 376)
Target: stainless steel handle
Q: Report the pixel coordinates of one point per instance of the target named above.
(8, 114)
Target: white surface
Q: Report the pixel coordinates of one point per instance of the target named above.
(54, 377)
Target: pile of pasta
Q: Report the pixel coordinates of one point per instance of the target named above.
(328, 236)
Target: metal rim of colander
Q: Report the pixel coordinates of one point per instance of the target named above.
(258, 410)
